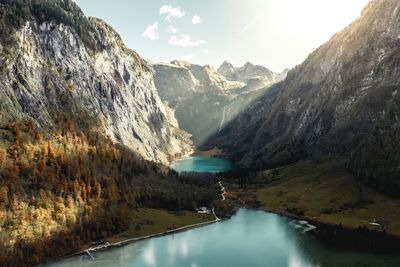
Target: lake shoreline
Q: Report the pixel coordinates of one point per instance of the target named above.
(214, 152)
(311, 190)
(330, 234)
(201, 165)
(137, 239)
(326, 233)
(338, 236)
(360, 239)
(107, 246)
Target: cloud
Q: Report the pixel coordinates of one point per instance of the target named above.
(171, 12)
(188, 57)
(151, 32)
(206, 51)
(196, 20)
(172, 29)
(184, 41)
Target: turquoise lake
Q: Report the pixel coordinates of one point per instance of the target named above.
(201, 164)
(248, 239)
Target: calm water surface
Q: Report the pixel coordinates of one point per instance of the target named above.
(202, 164)
(249, 239)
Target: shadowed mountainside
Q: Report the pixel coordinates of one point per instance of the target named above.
(342, 101)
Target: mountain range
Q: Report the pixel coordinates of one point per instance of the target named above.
(205, 99)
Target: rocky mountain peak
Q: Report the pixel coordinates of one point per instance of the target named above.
(250, 67)
(180, 63)
(226, 69)
(227, 63)
(248, 64)
(250, 72)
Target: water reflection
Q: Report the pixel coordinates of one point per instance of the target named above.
(249, 239)
(149, 257)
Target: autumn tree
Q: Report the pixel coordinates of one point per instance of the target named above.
(4, 195)
(2, 157)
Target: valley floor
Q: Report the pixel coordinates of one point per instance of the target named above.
(324, 192)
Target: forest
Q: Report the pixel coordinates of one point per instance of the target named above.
(63, 188)
(14, 13)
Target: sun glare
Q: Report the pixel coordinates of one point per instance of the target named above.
(282, 33)
(320, 18)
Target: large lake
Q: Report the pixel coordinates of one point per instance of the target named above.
(201, 164)
(248, 239)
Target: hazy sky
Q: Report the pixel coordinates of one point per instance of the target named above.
(278, 34)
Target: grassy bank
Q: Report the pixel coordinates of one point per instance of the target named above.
(325, 192)
(145, 221)
(209, 153)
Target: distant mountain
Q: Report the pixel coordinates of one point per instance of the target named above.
(226, 69)
(342, 101)
(249, 72)
(205, 99)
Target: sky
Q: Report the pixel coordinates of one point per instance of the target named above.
(278, 34)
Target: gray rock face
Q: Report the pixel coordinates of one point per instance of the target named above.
(249, 72)
(204, 99)
(51, 72)
(342, 101)
(226, 69)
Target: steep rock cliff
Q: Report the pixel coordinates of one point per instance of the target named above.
(52, 68)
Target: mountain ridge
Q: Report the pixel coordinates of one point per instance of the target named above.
(249, 71)
(341, 101)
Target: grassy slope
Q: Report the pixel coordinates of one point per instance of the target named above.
(147, 221)
(209, 153)
(325, 192)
